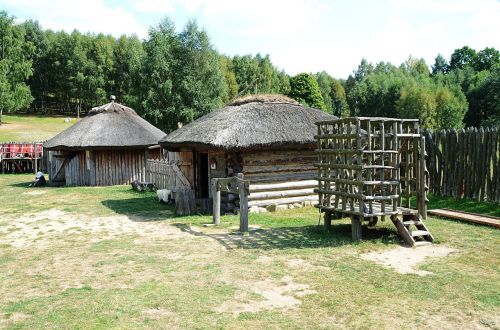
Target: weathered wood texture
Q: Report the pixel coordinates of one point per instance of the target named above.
(464, 163)
(175, 171)
(363, 161)
(98, 167)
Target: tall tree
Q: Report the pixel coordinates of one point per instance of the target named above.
(305, 89)
(440, 65)
(15, 67)
(462, 57)
(486, 59)
(338, 96)
(325, 82)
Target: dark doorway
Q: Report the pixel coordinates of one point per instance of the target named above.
(203, 175)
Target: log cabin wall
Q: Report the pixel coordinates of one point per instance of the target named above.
(280, 177)
(276, 177)
(105, 167)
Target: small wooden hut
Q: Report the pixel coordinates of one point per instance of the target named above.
(109, 146)
(268, 138)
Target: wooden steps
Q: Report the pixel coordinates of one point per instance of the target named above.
(413, 230)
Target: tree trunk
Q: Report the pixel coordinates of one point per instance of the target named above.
(1, 112)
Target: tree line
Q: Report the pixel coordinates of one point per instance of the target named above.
(172, 78)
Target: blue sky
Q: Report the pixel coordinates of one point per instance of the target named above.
(300, 36)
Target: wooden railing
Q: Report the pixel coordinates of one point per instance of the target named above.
(165, 174)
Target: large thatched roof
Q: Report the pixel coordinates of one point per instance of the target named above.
(111, 126)
(256, 122)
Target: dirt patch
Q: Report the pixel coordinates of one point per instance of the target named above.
(405, 260)
(266, 260)
(304, 265)
(276, 295)
(14, 318)
(38, 229)
(34, 192)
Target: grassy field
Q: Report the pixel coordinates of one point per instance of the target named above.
(112, 258)
(29, 128)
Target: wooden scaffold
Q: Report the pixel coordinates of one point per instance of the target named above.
(369, 169)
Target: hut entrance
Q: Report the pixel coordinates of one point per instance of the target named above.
(202, 180)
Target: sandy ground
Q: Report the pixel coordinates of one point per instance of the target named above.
(282, 294)
(38, 229)
(406, 260)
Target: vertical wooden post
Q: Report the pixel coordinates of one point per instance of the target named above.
(328, 220)
(35, 158)
(243, 206)
(216, 202)
(422, 194)
(356, 227)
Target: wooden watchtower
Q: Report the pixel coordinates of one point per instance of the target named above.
(369, 169)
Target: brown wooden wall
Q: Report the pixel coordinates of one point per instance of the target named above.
(99, 167)
(275, 166)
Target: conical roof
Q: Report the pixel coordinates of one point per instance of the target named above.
(111, 126)
(255, 122)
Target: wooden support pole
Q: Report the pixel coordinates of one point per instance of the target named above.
(328, 220)
(356, 227)
(216, 202)
(243, 206)
(422, 193)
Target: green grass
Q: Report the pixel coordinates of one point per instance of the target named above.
(30, 128)
(467, 205)
(133, 264)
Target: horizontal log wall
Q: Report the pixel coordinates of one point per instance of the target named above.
(464, 163)
(280, 177)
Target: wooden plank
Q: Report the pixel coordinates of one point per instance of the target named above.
(466, 216)
(243, 188)
(281, 194)
(283, 185)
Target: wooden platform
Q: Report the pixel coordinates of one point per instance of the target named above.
(466, 216)
(377, 210)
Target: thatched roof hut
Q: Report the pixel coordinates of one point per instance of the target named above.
(109, 146)
(110, 126)
(268, 138)
(257, 122)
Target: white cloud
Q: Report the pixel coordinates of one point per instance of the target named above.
(85, 16)
(156, 6)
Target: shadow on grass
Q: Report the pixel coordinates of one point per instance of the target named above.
(294, 237)
(141, 209)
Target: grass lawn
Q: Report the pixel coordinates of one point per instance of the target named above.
(30, 128)
(112, 258)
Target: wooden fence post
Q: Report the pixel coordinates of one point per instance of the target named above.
(216, 202)
(243, 205)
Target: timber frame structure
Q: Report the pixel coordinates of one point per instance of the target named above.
(370, 168)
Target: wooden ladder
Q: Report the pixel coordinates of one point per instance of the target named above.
(413, 230)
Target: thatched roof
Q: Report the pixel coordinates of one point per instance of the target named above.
(256, 122)
(111, 126)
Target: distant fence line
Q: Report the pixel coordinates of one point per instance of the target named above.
(464, 163)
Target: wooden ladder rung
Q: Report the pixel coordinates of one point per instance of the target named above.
(420, 243)
(416, 233)
(411, 222)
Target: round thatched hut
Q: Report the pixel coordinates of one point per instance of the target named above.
(268, 138)
(109, 146)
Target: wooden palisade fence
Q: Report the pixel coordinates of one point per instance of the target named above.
(464, 163)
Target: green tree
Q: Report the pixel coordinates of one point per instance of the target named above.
(340, 107)
(440, 65)
(305, 89)
(486, 59)
(462, 57)
(231, 85)
(15, 66)
(325, 82)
